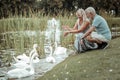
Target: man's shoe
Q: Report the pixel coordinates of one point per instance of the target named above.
(103, 45)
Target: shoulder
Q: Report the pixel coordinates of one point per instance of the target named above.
(98, 17)
(87, 21)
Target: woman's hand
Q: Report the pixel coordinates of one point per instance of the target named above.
(66, 33)
(65, 28)
(81, 41)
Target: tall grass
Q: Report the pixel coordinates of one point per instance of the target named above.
(12, 31)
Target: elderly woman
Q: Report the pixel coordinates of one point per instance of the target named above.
(81, 24)
(80, 27)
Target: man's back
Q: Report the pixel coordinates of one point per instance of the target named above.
(101, 26)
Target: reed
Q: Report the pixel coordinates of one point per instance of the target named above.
(13, 30)
(20, 33)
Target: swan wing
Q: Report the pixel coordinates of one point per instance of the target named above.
(36, 60)
(20, 65)
(60, 50)
(18, 73)
(50, 59)
(23, 57)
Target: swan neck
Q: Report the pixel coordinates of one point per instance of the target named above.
(56, 45)
(51, 50)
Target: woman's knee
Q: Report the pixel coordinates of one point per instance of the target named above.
(89, 38)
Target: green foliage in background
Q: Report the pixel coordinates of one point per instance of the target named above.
(54, 7)
(13, 32)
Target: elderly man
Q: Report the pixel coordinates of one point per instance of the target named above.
(102, 34)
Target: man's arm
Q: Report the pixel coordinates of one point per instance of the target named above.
(89, 31)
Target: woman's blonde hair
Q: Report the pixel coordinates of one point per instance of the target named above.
(81, 13)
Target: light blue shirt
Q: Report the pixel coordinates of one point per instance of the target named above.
(101, 26)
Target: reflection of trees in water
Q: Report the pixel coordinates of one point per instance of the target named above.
(5, 59)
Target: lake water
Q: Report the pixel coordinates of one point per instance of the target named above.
(40, 68)
(51, 34)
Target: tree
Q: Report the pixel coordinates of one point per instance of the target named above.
(53, 7)
(15, 7)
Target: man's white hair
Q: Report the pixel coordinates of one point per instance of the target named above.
(90, 10)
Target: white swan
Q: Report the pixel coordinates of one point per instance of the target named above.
(22, 72)
(25, 58)
(22, 64)
(60, 50)
(21, 58)
(46, 49)
(50, 58)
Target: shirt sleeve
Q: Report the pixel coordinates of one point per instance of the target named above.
(96, 22)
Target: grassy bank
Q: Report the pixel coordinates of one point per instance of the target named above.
(91, 65)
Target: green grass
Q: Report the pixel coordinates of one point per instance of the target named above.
(91, 65)
(20, 42)
(37, 23)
